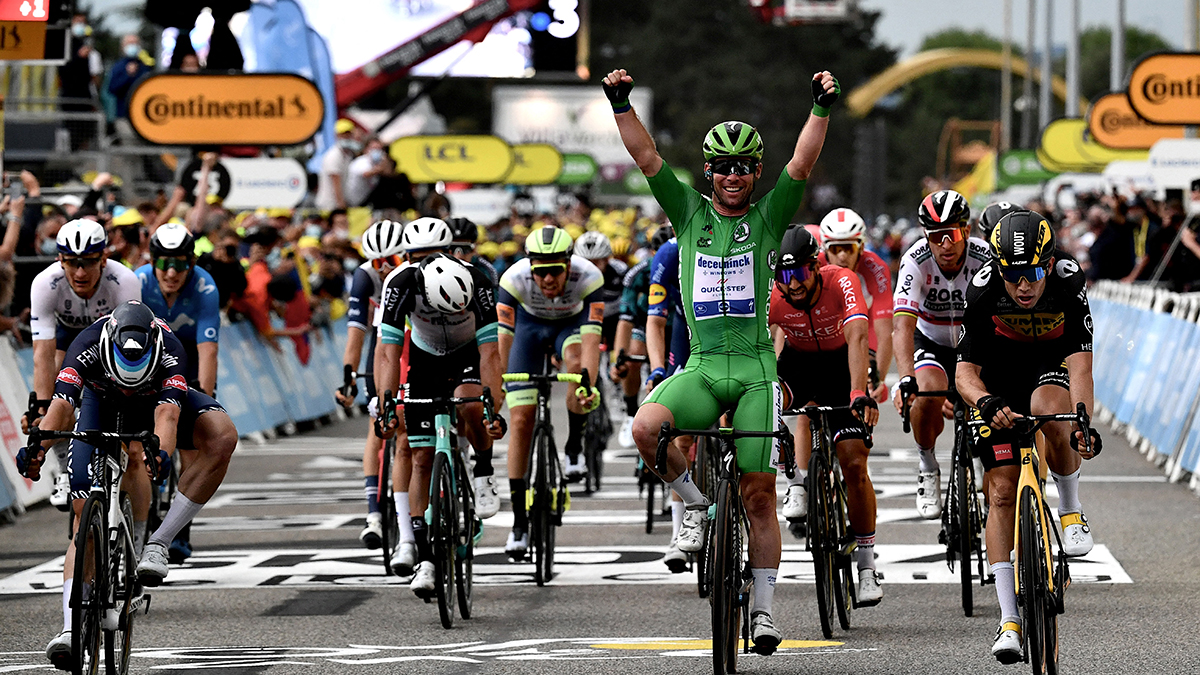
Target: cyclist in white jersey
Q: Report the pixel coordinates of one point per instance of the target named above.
(65, 298)
(930, 298)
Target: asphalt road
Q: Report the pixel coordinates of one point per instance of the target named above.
(280, 584)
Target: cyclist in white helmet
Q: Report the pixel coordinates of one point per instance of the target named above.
(68, 296)
(383, 246)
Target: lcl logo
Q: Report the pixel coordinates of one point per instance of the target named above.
(448, 152)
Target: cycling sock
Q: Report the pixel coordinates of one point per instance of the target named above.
(421, 532)
(677, 509)
(631, 405)
(402, 517)
(575, 422)
(483, 463)
(1068, 492)
(685, 488)
(1006, 589)
(865, 553)
(371, 489)
(801, 476)
(139, 536)
(182, 511)
(929, 463)
(764, 588)
(516, 487)
(63, 450)
(67, 583)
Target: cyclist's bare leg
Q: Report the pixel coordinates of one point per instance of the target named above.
(521, 430)
(1050, 400)
(646, 424)
(570, 364)
(470, 418)
(927, 419)
(1002, 482)
(758, 497)
(803, 448)
(632, 381)
(418, 486)
(371, 453)
(137, 483)
(216, 438)
(860, 493)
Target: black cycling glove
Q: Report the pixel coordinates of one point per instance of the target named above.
(861, 403)
(989, 406)
(618, 95)
(907, 386)
(824, 100)
(1096, 442)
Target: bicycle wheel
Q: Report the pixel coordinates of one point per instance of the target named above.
(1032, 591)
(820, 541)
(542, 514)
(966, 537)
(651, 503)
(843, 576)
(469, 527)
(442, 537)
(703, 556)
(122, 565)
(89, 588)
(387, 506)
(726, 579)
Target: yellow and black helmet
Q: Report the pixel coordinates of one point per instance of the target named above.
(1023, 239)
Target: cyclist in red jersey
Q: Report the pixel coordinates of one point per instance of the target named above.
(818, 318)
(843, 243)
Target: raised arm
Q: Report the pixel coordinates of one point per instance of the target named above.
(634, 135)
(808, 146)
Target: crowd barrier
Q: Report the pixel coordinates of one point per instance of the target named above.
(264, 390)
(1147, 372)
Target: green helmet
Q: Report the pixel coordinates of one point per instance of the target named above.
(548, 243)
(733, 139)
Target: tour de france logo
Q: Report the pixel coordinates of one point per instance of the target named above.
(742, 233)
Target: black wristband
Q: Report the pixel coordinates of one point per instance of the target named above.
(989, 406)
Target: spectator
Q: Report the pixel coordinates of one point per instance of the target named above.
(223, 265)
(133, 65)
(79, 79)
(1183, 268)
(8, 274)
(1112, 253)
(335, 168)
(128, 241)
(339, 227)
(365, 171)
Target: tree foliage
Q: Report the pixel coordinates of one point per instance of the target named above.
(1095, 56)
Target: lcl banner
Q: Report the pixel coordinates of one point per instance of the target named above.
(1164, 88)
(1114, 124)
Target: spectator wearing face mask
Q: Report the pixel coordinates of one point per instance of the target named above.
(133, 65)
(223, 264)
(333, 180)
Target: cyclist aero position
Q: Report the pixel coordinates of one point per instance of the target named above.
(452, 308)
(931, 291)
(549, 300)
(822, 319)
(1026, 349)
(727, 251)
(383, 247)
(65, 298)
(131, 365)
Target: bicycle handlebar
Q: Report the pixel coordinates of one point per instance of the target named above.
(98, 438)
(812, 412)
(538, 379)
(906, 409)
(668, 433)
(485, 399)
(1027, 425)
(623, 358)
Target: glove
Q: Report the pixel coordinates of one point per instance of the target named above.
(595, 393)
(618, 95)
(1076, 446)
(824, 100)
(24, 455)
(373, 407)
(861, 402)
(907, 386)
(503, 423)
(657, 375)
(349, 387)
(989, 406)
(163, 470)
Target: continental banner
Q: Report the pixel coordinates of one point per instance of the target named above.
(466, 159)
(1113, 123)
(1164, 88)
(244, 109)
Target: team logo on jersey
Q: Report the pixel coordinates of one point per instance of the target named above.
(67, 304)
(175, 382)
(742, 233)
(983, 276)
(1066, 268)
(771, 259)
(1087, 323)
(658, 294)
(703, 242)
(708, 228)
(70, 376)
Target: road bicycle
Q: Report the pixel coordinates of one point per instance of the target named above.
(706, 473)
(830, 539)
(731, 579)
(545, 476)
(106, 595)
(454, 529)
(1041, 580)
(962, 513)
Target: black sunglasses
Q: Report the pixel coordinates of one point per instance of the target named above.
(736, 166)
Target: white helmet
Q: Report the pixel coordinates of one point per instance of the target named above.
(427, 233)
(448, 283)
(593, 246)
(383, 239)
(841, 226)
(81, 237)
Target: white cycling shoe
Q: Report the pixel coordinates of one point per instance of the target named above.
(487, 498)
(423, 582)
(764, 634)
(372, 534)
(691, 532)
(60, 497)
(59, 651)
(869, 590)
(1007, 647)
(929, 494)
(517, 547)
(404, 559)
(795, 502)
(1077, 535)
(625, 436)
(675, 560)
(153, 567)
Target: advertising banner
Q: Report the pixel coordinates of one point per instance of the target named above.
(1164, 88)
(467, 159)
(1175, 162)
(535, 164)
(1113, 124)
(574, 119)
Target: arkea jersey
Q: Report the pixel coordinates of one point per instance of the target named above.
(53, 302)
(433, 331)
(82, 368)
(820, 327)
(876, 280)
(936, 299)
(365, 290)
(584, 286)
(726, 263)
(195, 316)
(999, 333)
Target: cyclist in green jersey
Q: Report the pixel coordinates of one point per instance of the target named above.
(727, 252)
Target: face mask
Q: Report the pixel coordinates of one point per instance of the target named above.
(50, 247)
(132, 50)
(79, 29)
(350, 144)
(377, 155)
(274, 258)
(350, 265)
(314, 231)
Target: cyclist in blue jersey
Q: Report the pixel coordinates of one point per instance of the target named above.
(668, 351)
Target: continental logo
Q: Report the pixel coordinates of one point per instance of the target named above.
(1165, 88)
(1027, 328)
(249, 109)
(1113, 123)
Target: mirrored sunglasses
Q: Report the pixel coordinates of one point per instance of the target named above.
(1014, 275)
(784, 275)
(80, 262)
(177, 264)
(947, 235)
(548, 270)
(735, 166)
(389, 260)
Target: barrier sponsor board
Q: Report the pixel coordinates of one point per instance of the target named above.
(1164, 88)
(1113, 123)
(1021, 167)
(1175, 162)
(22, 40)
(535, 164)
(242, 109)
(466, 159)
(264, 181)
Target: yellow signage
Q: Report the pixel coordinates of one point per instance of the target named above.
(465, 159)
(22, 40)
(1064, 145)
(1165, 88)
(535, 164)
(248, 109)
(1113, 124)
